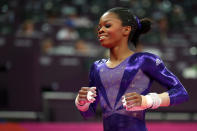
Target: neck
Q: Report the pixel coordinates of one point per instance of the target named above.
(119, 53)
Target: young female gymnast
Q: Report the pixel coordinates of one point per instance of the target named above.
(122, 82)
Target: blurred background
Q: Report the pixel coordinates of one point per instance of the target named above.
(48, 46)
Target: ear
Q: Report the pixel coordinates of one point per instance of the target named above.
(127, 30)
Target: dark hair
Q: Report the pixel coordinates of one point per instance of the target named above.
(139, 26)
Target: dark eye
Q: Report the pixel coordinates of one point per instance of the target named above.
(107, 25)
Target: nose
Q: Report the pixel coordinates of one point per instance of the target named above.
(101, 30)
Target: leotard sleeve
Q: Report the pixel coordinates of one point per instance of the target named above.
(154, 67)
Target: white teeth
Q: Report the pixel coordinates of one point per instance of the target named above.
(102, 37)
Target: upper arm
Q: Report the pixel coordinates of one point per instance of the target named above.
(154, 67)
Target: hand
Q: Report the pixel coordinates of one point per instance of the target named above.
(86, 95)
(131, 101)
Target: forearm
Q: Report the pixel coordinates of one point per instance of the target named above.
(178, 95)
(165, 99)
(136, 102)
(156, 100)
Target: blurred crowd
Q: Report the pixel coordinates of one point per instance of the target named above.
(75, 21)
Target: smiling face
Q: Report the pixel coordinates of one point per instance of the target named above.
(110, 30)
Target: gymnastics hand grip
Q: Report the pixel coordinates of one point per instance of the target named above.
(91, 95)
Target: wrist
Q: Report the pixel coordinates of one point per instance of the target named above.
(151, 100)
(147, 101)
(80, 107)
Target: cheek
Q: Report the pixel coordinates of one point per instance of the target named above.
(115, 33)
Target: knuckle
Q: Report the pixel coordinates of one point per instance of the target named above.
(127, 99)
(84, 88)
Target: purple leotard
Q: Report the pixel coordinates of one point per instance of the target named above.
(134, 74)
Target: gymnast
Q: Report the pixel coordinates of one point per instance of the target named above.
(122, 82)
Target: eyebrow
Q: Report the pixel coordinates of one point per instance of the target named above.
(108, 20)
(105, 21)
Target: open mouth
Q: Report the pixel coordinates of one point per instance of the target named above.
(101, 38)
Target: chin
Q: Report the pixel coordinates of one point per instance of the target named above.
(106, 45)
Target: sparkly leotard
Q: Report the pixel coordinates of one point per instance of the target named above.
(134, 74)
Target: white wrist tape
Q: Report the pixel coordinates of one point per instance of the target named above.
(156, 100)
(148, 101)
(152, 100)
(81, 107)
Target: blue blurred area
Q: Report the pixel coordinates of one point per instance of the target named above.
(47, 46)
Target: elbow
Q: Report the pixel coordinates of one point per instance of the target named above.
(186, 96)
(178, 96)
(87, 114)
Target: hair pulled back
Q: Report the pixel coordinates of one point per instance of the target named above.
(138, 26)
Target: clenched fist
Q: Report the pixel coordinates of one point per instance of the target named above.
(132, 101)
(86, 95)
